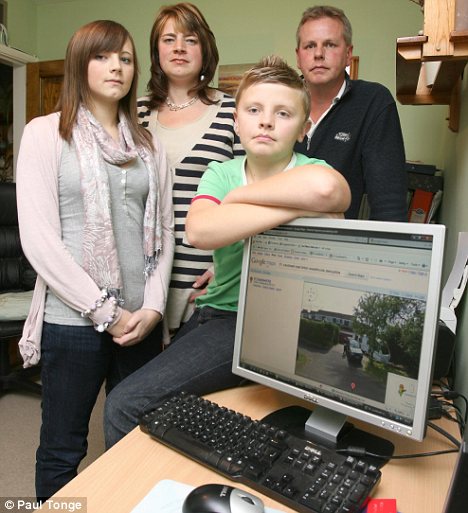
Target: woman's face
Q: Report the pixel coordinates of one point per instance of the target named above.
(110, 74)
(180, 55)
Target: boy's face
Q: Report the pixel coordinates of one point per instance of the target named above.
(270, 119)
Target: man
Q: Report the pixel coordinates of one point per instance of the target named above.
(355, 124)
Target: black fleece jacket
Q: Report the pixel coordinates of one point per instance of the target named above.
(361, 137)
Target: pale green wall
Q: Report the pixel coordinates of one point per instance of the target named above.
(22, 25)
(455, 217)
(247, 30)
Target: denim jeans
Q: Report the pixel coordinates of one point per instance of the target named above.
(75, 362)
(199, 361)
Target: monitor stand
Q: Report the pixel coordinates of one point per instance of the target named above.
(327, 428)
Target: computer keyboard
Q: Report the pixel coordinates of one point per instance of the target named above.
(297, 473)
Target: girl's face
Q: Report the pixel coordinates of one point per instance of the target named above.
(110, 74)
(180, 54)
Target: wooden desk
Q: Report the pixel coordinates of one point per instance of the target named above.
(120, 478)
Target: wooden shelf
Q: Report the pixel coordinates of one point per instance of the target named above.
(429, 67)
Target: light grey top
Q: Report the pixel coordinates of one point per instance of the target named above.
(129, 188)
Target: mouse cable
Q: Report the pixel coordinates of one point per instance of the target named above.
(445, 433)
(361, 452)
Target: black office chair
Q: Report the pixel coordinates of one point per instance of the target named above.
(16, 277)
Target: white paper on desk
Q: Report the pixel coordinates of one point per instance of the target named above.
(168, 497)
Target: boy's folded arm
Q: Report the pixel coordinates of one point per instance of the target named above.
(210, 225)
(309, 190)
(311, 187)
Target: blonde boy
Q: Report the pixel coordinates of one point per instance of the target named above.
(235, 199)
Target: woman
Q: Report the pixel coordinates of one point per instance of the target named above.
(195, 125)
(96, 223)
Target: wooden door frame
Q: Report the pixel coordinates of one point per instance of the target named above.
(35, 72)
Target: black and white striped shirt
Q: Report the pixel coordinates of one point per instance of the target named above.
(218, 143)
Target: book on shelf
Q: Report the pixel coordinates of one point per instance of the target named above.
(420, 206)
(436, 201)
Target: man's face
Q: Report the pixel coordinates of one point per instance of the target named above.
(323, 54)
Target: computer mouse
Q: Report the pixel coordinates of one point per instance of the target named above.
(218, 498)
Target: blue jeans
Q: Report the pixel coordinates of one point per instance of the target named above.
(199, 361)
(75, 362)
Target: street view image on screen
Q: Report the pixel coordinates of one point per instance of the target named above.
(343, 314)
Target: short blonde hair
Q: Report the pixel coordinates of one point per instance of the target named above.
(326, 11)
(274, 70)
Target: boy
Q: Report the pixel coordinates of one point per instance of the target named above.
(235, 200)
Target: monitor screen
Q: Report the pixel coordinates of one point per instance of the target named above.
(343, 314)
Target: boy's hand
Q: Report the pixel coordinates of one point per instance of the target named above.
(202, 281)
(140, 324)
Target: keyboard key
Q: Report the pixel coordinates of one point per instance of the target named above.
(357, 494)
(372, 470)
(287, 478)
(313, 503)
(289, 491)
(310, 469)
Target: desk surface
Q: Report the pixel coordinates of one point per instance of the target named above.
(121, 477)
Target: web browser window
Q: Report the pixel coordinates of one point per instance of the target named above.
(342, 314)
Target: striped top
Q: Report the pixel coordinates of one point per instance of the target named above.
(219, 143)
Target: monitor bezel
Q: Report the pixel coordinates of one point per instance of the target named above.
(428, 350)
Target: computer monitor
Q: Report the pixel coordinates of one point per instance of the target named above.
(343, 314)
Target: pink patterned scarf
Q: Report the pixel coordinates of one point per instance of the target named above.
(94, 147)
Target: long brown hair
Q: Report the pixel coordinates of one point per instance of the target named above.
(188, 19)
(88, 41)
